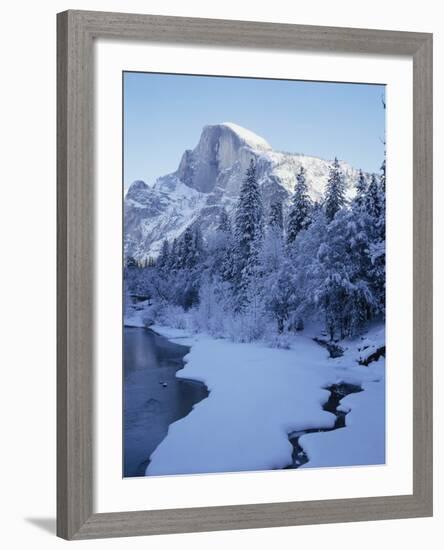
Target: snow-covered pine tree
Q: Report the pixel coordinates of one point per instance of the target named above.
(382, 177)
(249, 214)
(185, 279)
(188, 252)
(317, 206)
(382, 192)
(190, 247)
(276, 215)
(224, 247)
(280, 298)
(335, 192)
(377, 239)
(359, 199)
(272, 251)
(163, 258)
(373, 198)
(198, 247)
(249, 230)
(377, 272)
(181, 247)
(172, 259)
(304, 260)
(382, 180)
(383, 165)
(224, 225)
(299, 216)
(343, 294)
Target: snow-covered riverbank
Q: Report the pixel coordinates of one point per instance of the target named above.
(259, 395)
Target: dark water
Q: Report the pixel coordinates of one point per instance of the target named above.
(337, 392)
(153, 396)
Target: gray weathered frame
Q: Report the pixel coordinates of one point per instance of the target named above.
(76, 32)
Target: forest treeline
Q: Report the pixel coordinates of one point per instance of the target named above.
(269, 271)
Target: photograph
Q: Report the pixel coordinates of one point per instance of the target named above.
(254, 274)
(228, 337)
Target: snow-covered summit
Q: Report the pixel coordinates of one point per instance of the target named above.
(250, 138)
(208, 178)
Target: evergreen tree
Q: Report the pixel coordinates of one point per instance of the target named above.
(359, 201)
(335, 192)
(280, 297)
(224, 225)
(181, 245)
(224, 252)
(172, 263)
(188, 254)
(189, 248)
(272, 250)
(196, 254)
(304, 258)
(218, 252)
(343, 294)
(249, 229)
(276, 216)
(163, 259)
(377, 238)
(300, 210)
(382, 179)
(184, 281)
(383, 175)
(383, 165)
(249, 212)
(373, 199)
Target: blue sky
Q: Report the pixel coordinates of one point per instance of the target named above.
(165, 114)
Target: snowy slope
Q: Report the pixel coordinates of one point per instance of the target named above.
(208, 177)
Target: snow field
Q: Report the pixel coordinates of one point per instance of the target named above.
(259, 395)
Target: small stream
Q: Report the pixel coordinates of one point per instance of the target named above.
(153, 398)
(337, 392)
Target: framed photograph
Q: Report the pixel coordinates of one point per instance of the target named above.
(244, 275)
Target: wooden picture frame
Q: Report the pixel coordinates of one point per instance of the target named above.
(77, 31)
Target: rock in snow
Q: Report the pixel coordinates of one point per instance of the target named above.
(209, 178)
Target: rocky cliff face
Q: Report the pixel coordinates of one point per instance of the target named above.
(209, 178)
